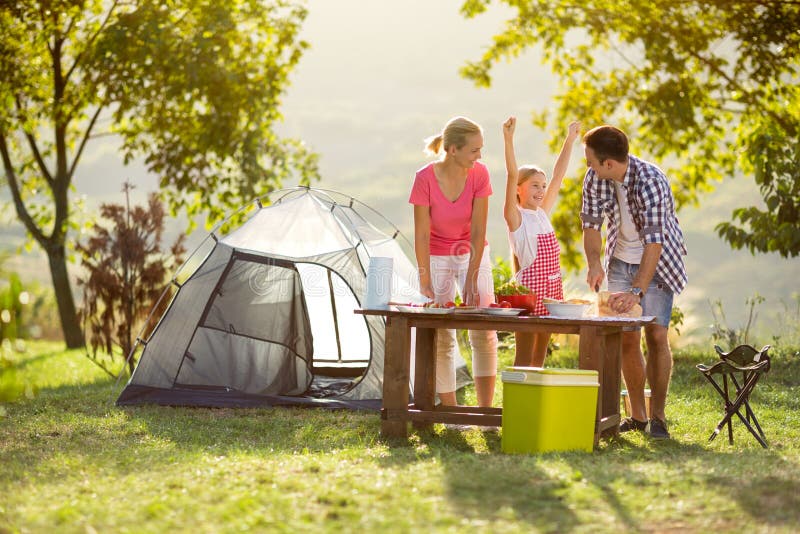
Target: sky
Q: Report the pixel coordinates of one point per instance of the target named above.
(374, 85)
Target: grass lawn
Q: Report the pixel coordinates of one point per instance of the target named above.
(70, 461)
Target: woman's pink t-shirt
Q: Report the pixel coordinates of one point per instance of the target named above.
(450, 221)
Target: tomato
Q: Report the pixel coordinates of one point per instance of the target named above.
(450, 304)
(494, 305)
(505, 304)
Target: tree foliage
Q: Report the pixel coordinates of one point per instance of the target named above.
(708, 89)
(126, 273)
(193, 88)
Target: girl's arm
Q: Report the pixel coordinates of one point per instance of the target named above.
(422, 248)
(561, 165)
(510, 209)
(480, 213)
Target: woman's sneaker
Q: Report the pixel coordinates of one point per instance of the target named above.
(658, 429)
(629, 423)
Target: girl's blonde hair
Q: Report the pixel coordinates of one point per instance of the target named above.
(526, 172)
(455, 133)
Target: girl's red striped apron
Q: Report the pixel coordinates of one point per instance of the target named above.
(543, 276)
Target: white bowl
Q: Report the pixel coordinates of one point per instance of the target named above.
(560, 309)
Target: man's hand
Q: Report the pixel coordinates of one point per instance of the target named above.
(595, 277)
(623, 301)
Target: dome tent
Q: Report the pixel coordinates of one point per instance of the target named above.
(264, 315)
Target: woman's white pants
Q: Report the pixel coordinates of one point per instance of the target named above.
(448, 275)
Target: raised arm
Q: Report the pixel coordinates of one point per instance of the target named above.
(560, 168)
(510, 210)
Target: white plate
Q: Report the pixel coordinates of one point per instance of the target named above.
(502, 311)
(562, 309)
(423, 309)
(467, 309)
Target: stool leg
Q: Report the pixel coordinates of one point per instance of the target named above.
(727, 407)
(751, 416)
(724, 396)
(748, 387)
(752, 431)
(755, 421)
(741, 399)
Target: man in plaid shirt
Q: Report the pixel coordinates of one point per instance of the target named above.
(643, 260)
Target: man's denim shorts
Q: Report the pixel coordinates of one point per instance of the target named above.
(658, 297)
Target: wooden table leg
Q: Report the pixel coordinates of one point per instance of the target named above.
(612, 373)
(603, 353)
(425, 373)
(590, 357)
(396, 371)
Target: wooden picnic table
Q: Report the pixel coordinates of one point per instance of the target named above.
(599, 348)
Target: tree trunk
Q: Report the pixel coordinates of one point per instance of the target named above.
(73, 336)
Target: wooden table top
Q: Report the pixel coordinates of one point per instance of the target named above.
(503, 322)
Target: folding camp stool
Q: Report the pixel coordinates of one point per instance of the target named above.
(743, 365)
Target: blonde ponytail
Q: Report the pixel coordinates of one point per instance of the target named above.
(455, 133)
(433, 145)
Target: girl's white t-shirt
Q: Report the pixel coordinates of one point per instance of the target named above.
(523, 240)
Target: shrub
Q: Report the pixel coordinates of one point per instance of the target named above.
(501, 272)
(27, 309)
(787, 326)
(126, 273)
(721, 332)
(12, 300)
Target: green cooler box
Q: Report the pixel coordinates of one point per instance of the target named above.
(548, 409)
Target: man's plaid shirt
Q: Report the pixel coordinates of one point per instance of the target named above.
(652, 209)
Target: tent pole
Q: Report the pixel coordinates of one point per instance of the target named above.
(335, 316)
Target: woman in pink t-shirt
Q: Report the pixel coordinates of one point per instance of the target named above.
(451, 205)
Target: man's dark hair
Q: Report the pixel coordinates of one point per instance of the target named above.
(607, 142)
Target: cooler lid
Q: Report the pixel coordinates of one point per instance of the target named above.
(550, 376)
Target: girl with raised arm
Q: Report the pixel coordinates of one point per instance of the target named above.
(528, 201)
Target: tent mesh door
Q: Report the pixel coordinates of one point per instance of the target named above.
(255, 336)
